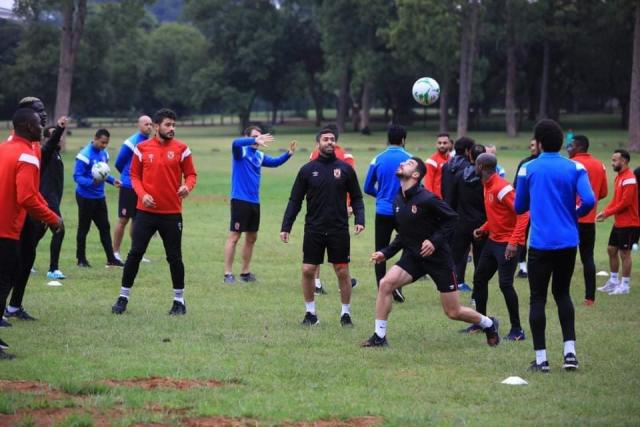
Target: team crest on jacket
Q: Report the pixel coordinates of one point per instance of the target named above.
(414, 209)
(337, 173)
(151, 157)
(490, 197)
(170, 155)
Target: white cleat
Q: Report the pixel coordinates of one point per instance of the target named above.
(145, 259)
(620, 290)
(609, 286)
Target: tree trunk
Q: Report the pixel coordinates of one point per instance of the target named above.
(444, 105)
(274, 113)
(316, 96)
(544, 86)
(634, 96)
(365, 109)
(72, 29)
(343, 99)
(510, 92)
(467, 53)
(244, 115)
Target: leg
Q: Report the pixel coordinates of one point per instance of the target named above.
(230, 251)
(29, 238)
(540, 268)
(145, 228)
(54, 250)
(395, 278)
(487, 266)
(344, 281)
(308, 282)
(101, 220)
(9, 258)
(587, 244)
(564, 262)
(451, 305)
(170, 230)
(384, 228)
(84, 223)
(460, 250)
(506, 270)
(118, 233)
(250, 238)
(625, 257)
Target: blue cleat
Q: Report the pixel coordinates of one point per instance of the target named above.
(463, 287)
(515, 335)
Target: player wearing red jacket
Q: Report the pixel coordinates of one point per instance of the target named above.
(578, 152)
(162, 175)
(626, 227)
(433, 178)
(19, 187)
(505, 230)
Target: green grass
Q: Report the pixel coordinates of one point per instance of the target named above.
(249, 335)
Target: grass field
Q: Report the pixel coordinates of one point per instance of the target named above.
(247, 336)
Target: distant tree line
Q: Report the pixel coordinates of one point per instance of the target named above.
(530, 59)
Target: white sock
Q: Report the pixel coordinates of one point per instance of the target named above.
(569, 347)
(485, 322)
(541, 356)
(124, 292)
(614, 277)
(523, 266)
(318, 283)
(310, 307)
(12, 309)
(345, 309)
(626, 281)
(116, 254)
(178, 295)
(381, 328)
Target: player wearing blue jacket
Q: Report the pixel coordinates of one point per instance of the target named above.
(90, 196)
(547, 188)
(383, 184)
(127, 198)
(247, 162)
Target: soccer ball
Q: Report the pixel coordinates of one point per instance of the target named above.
(100, 171)
(426, 91)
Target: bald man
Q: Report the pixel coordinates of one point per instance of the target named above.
(128, 199)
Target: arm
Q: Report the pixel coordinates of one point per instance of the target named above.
(124, 156)
(49, 148)
(522, 220)
(521, 204)
(447, 219)
(371, 180)
(356, 197)
(27, 192)
(82, 173)
(188, 170)
(587, 198)
(429, 178)
(451, 194)
(274, 162)
(629, 192)
(239, 144)
(298, 192)
(136, 174)
(393, 248)
(604, 186)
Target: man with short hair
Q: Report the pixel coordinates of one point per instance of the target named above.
(492, 149)
(522, 257)
(91, 200)
(578, 150)
(19, 177)
(127, 198)
(325, 183)
(626, 226)
(547, 189)
(505, 234)
(247, 164)
(433, 178)
(382, 183)
(425, 223)
(162, 175)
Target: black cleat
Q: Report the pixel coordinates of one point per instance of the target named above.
(83, 263)
(310, 319)
(493, 336)
(345, 321)
(178, 309)
(4, 323)
(398, 296)
(375, 341)
(20, 313)
(120, 306)
(354, 282)
(319, 290)
(3, 345)
(522, 274)
(542, 367)
(248, 277)
(114, 263)
(6, 356)
(570, 362)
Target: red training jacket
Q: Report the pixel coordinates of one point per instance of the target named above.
(503, 224)
(157, 169)
(624, 204)
(433, 178)
(598, 178)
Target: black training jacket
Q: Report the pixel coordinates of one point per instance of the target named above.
(421, 215)
(52, 170)
(468, 198)
(325, 182)
(449, 172)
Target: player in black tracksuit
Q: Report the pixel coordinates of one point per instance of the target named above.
(522, 254)
(425, 224)
(325, 182)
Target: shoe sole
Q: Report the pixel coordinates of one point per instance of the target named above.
(496, 323)
(398, 297)
(569, 367)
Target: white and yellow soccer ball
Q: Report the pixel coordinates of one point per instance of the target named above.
(425, 91)
(100, 171)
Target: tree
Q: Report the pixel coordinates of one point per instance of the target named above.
(468, 53)
(634, 96)
(510, 91)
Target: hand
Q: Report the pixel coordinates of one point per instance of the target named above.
(263, 139)
(600, 217)
(510, 251)
(479, 233)
(349, 211)
(358, 228)
(117, 183)
(148, 202)
(427, 248)
(292, 147)
(62, 121)
(183, 192)
(377, 257)
(284, 236)
(58, 227)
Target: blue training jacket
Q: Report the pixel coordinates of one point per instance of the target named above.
(547, 188)
(381, 181)
(246, 166)
(123, 161)
(85, 159)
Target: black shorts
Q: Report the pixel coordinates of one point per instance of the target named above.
(624, 237)
(127, 202)
(337, 245)
(245, 216)
(440, 269)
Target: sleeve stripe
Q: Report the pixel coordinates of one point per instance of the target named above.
(137, 153)
(129, 144)
(504, 192)
(348, 156)
(28, 158)
(186, 153)
(432, 163)
(82, 158)
(629, 181)
(522, 171)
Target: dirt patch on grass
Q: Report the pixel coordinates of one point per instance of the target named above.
(34, 387)
(351, 422)
(160, 382)
(219, 422)
(54, 416)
